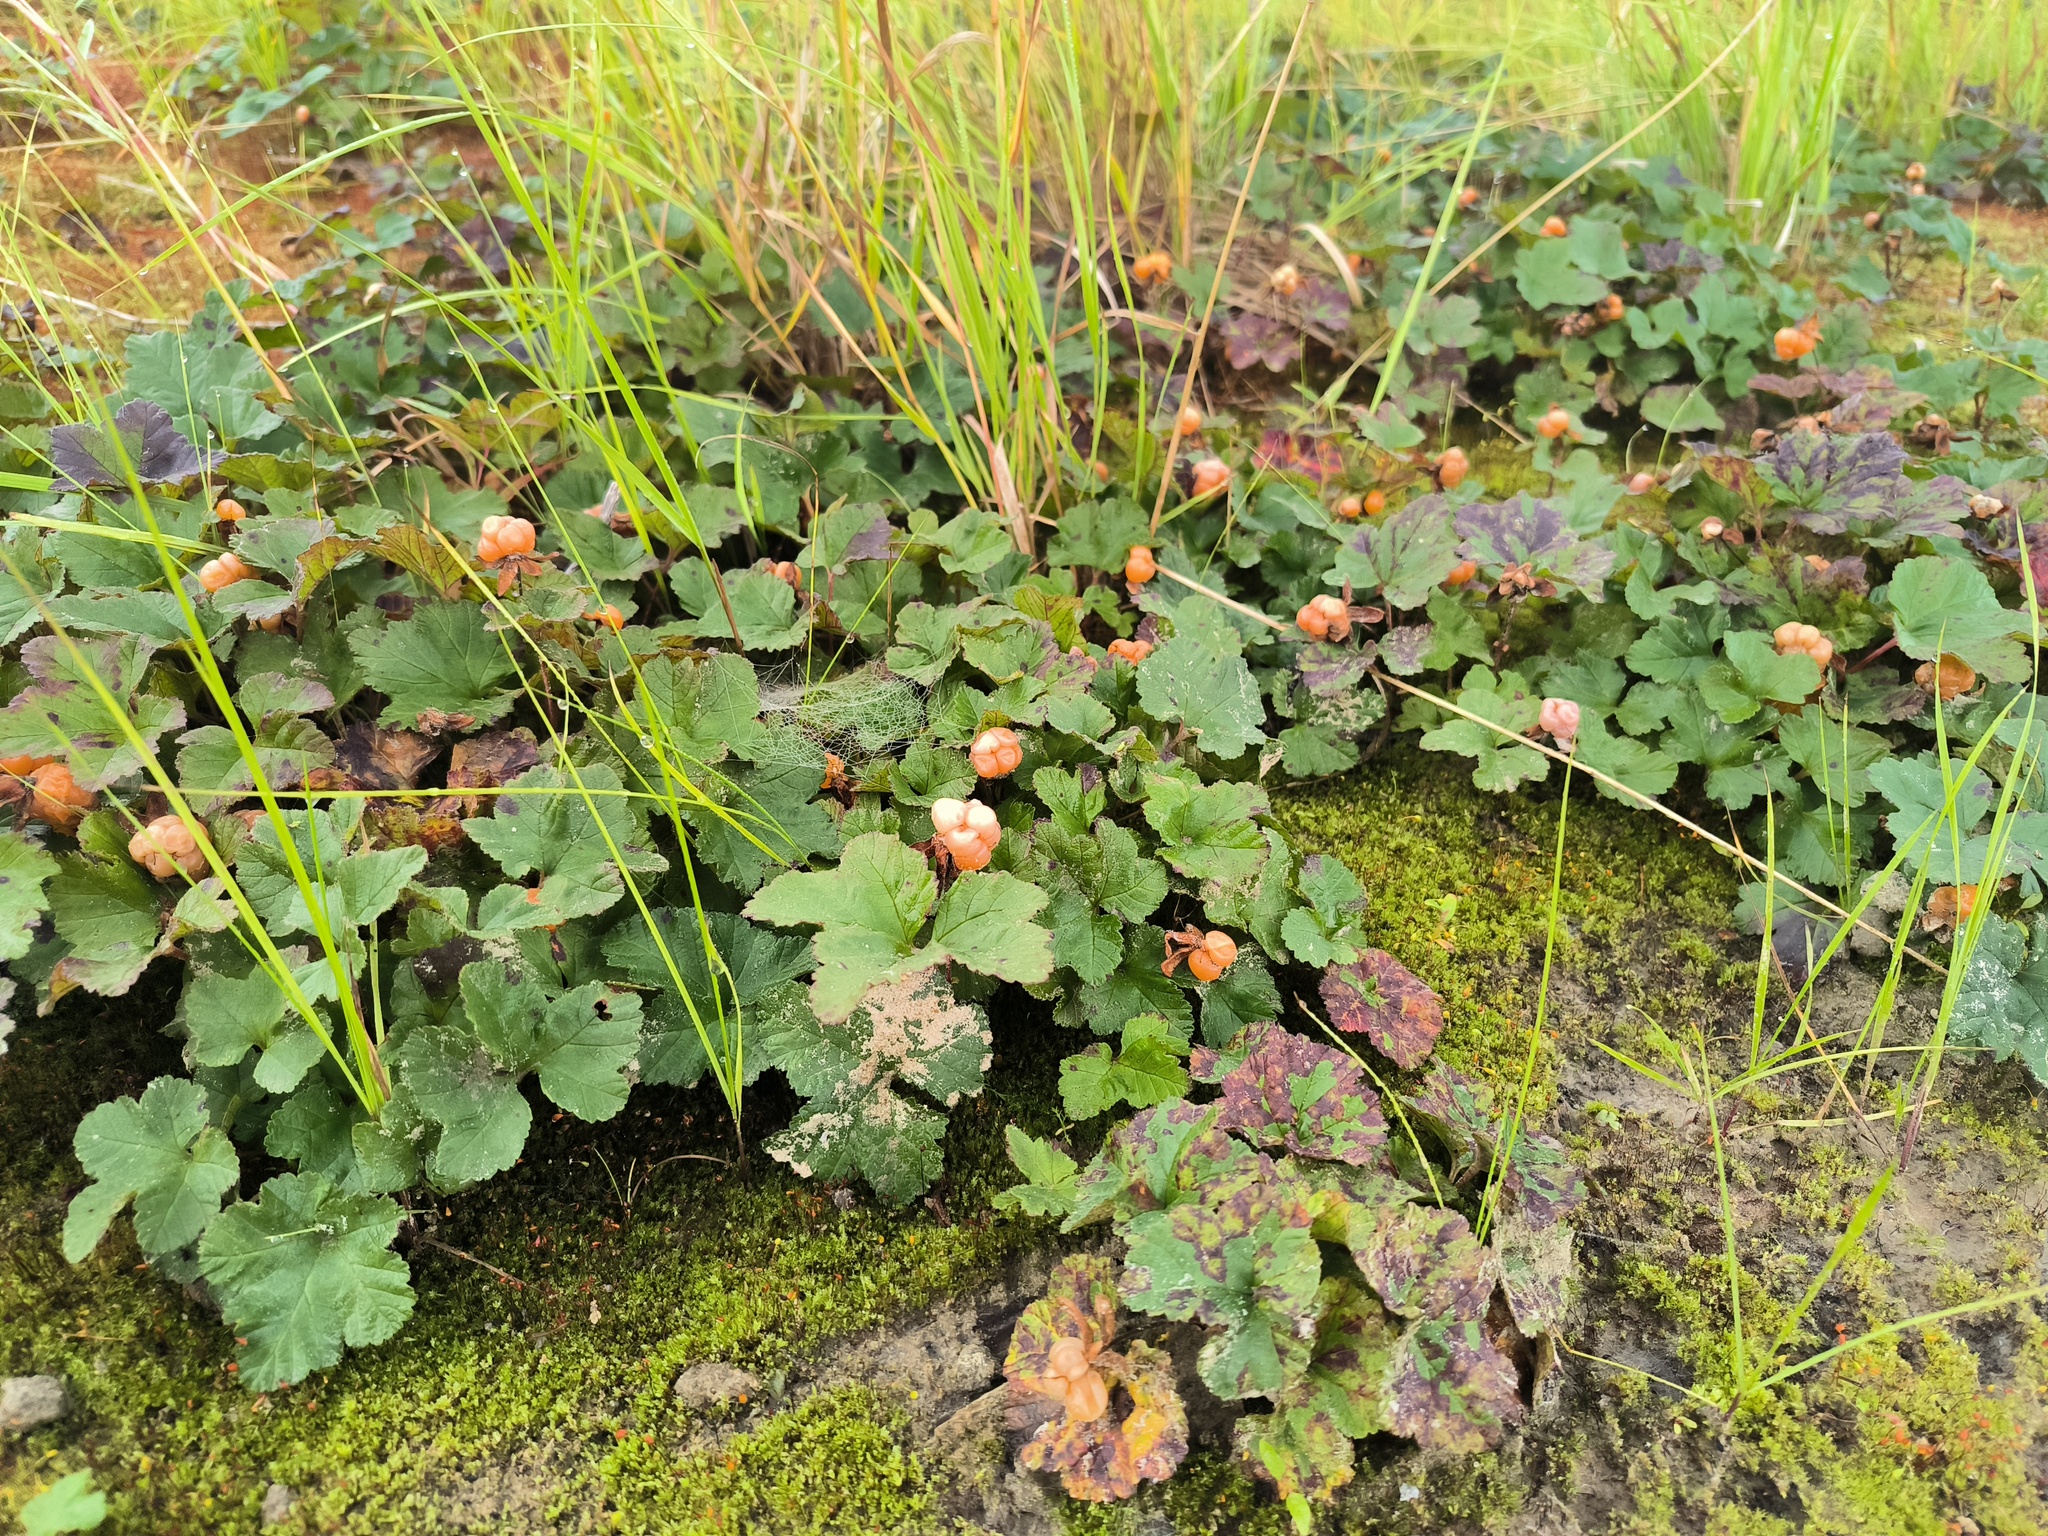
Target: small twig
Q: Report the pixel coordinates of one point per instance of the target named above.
(514, 1281)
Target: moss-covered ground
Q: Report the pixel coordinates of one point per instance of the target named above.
(557, 1304)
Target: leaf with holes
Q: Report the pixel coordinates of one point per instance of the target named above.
(1380, 998)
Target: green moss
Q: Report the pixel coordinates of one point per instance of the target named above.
(523, 1385)
(835, 1464)
(1414, 830)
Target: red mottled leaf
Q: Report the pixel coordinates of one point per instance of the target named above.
(1141, 1437)
(1079, 1303)
(1541, 1182)
(1450, 1389)
(1334, 1395)
(1249, 339)
(1292, 1092)
(1379, 997)
(1424, 1262)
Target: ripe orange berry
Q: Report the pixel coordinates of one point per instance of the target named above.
(1554, 226)
(1218, 952)
(1139, 566)
(1451, 468)
(1948, 677)
(608, 615)
(502, 537)
(1349, 507)
(1189, 421)
(1610, 309)
(1468, 197)
(302, 114)
(996, 752)
(1804, 639)
(1087, 1397)
(274, 625)
(1211, 475)
(1555, 422)
(57, 800)
(1461, 573)
(167, 846)
(1323, 618)
(223, 571)
(24, 765)
(1375, 503)
(1133, 651)
(1101, 471)
(1916, 172)
(229, 510)
(1152, 267)
(1873, 218)
(967, 829)
(1791, 344)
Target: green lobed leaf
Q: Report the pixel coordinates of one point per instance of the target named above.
(159, 1151)
(301, 1271)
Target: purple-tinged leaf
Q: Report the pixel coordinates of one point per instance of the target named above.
(1155, 1160)
(1330, 670)
(1832, 482)
(1289, 1091)
(1402, 556)
(144, 444)
(1796, 387)
(1872, 410)
(1460, 1111)
(1379, 997)
(1249, 339)
(1424, 1262)
(1336, 1383)
(1404, 649)
(1240, 1257)
(1449, 1388)
(1534, 1268)
(1534, 537)
(1541, 1182)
